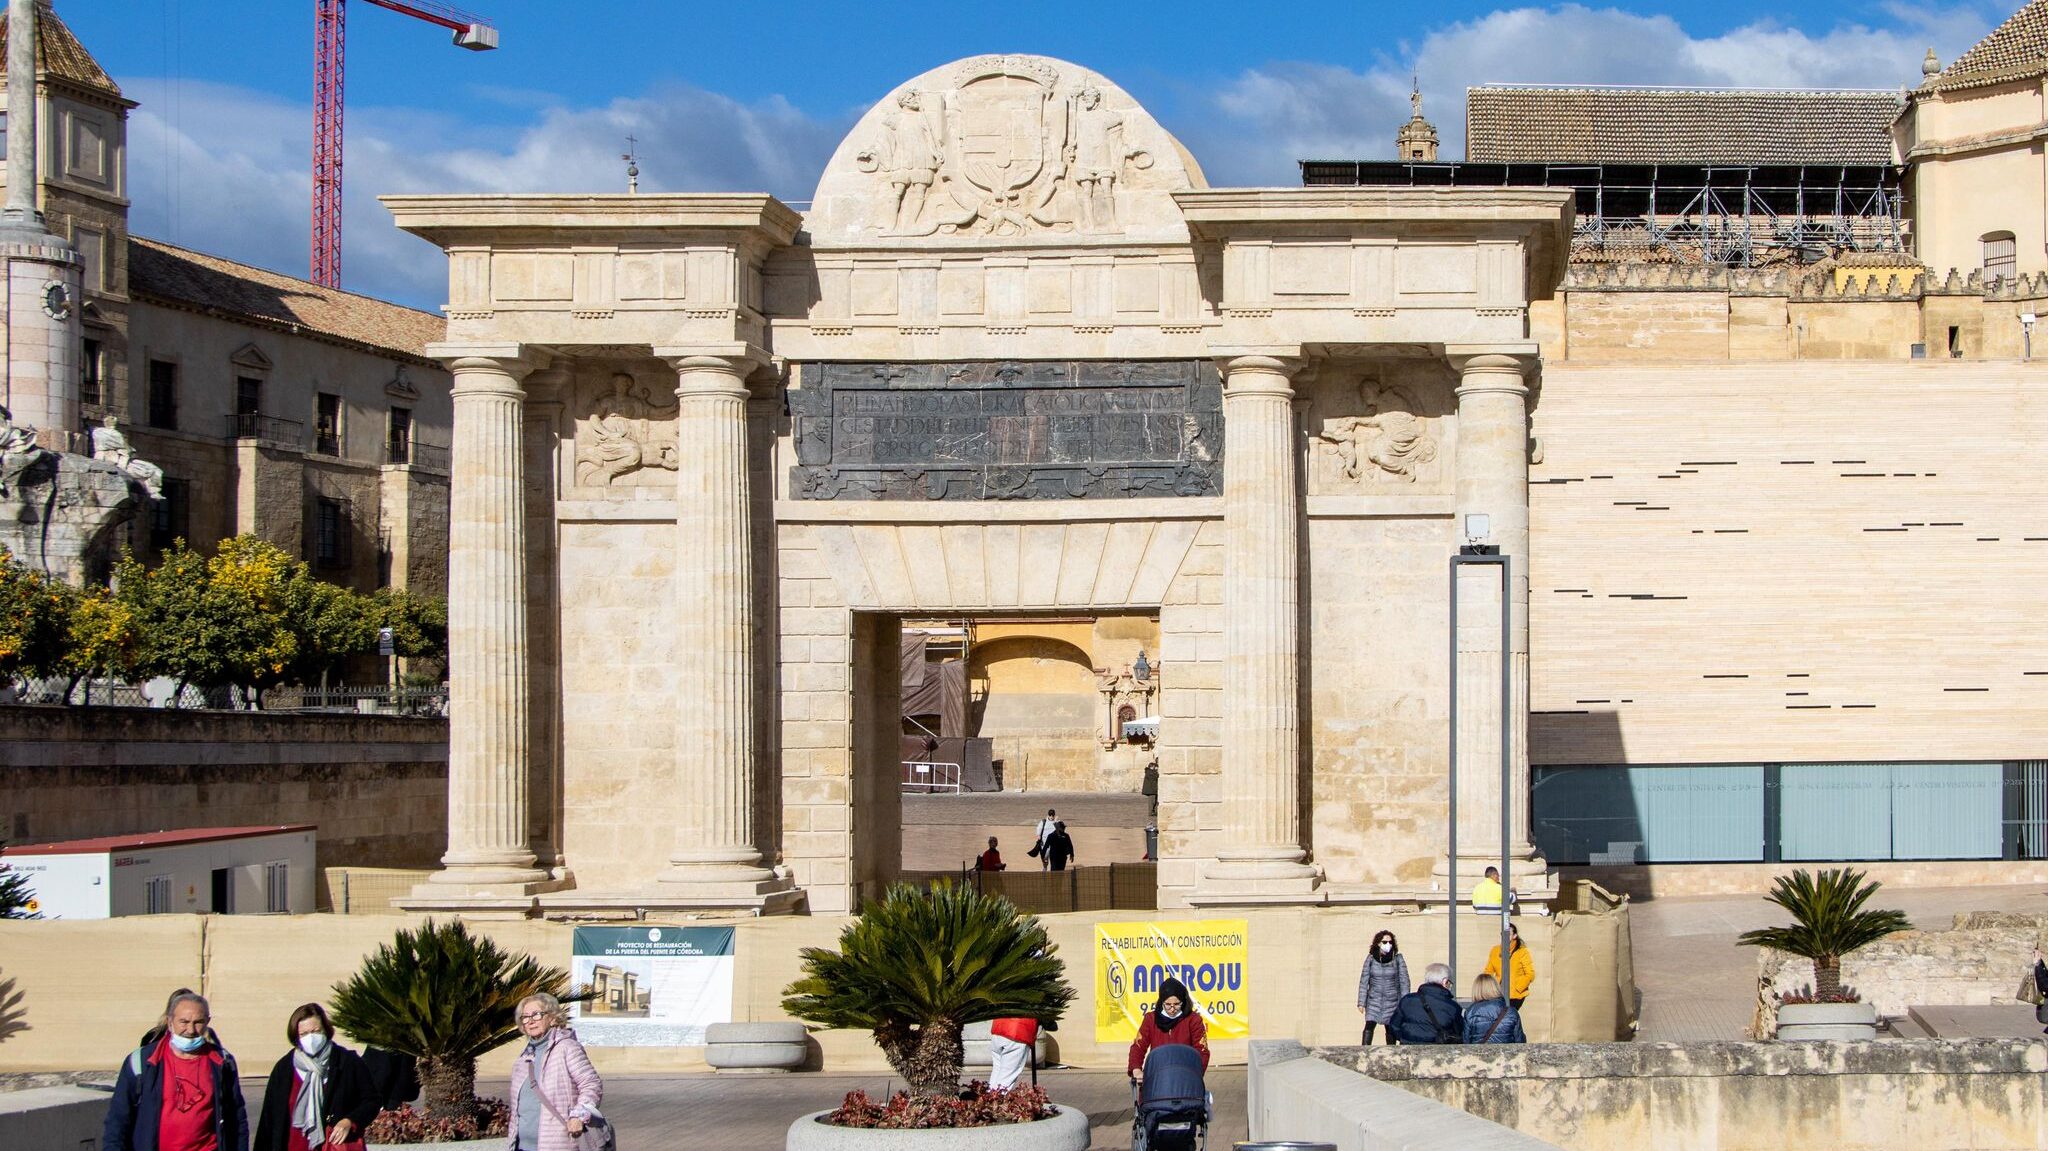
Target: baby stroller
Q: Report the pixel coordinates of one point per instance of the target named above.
(1172, 1108)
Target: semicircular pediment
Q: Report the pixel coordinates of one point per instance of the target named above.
(1003, 150)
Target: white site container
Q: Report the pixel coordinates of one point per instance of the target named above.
(203, 869)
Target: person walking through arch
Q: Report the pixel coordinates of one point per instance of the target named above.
(1059, 847)
(1046, 827)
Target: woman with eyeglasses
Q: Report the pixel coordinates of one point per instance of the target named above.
(319, 1097)
(555, 1090)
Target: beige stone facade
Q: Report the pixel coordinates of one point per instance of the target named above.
(307, 416)
(1357, 339)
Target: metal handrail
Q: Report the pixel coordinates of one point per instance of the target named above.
(268, 430)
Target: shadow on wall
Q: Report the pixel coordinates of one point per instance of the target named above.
(1578, 816)
(13, 1010)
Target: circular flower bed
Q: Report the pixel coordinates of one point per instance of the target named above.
(491, 1120)
(976, 1107)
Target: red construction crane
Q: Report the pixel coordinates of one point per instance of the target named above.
(471, 32)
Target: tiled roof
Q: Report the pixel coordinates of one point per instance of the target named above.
(210, 284)
(145, 839)
(58, 52)
(2015, 50)
(1679, 125)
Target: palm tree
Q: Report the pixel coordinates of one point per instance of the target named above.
(921, 964)
(446, 997)
(17, 898)
(1829, 922)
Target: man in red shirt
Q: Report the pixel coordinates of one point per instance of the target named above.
(182, 1093)
(990, 860)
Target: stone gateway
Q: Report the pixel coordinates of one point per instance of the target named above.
(1018, 357)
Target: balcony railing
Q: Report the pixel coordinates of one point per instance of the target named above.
(270, 431)
(326, 442)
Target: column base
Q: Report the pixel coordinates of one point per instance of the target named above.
(483, 891)
(667, 897)
(1529, 874)
(1229, 882)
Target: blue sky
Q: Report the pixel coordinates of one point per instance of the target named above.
(754, 97)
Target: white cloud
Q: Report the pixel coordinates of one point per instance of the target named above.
(1269, 117)
(227, 170)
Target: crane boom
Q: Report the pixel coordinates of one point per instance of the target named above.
(471, 31)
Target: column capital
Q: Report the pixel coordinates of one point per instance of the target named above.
(515, 360)
(740, 358)
(1493, 367)
(1259, 374)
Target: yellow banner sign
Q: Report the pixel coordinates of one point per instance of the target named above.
(1208, 955)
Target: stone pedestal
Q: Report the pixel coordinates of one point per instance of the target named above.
(489, 860)
(1493, 480)
(1261, 858)
(717, 861)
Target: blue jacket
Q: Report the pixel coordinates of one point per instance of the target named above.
(1481, 1016)
(137, 1106)
(1428, 1015)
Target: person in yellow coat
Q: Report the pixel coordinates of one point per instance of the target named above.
(1521, 968)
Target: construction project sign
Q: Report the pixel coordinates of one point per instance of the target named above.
(1208, 955)
(651, 986)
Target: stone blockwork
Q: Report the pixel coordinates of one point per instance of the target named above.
(1824, 562)
(1954, 1094)
(375, 785)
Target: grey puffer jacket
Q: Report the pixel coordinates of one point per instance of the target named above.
(1381, 986)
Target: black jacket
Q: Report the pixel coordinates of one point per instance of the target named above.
(138, 1103)
(349, 1095)
(1059, 847)
(1428, 1015)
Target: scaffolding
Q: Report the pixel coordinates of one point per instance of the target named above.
(1719, 215)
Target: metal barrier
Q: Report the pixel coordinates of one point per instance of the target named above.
(923, 778)
(355, 698)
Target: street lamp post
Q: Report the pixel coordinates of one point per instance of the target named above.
(1481, 555)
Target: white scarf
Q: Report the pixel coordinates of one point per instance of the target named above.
(307, 1111)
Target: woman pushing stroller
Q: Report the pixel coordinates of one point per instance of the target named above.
(1173, 1019)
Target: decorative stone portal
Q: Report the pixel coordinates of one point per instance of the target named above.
(1018, 362)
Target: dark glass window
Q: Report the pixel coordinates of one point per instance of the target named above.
(163, 395)
(331, 533)
(398, 437)
(170, 519)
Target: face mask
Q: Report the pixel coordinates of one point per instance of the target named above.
(188, 1043)
(313, 1044)
(1169, 1013)
(1386, 949)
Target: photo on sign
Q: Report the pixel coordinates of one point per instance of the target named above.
(651, 986)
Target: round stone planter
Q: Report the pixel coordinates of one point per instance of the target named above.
(1827, 1021)
(1067, 1130)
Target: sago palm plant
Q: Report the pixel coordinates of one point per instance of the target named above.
(1829, 922)
(446, 997)
(920, 965)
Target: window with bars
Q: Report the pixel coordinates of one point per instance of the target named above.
(163, 395)
(2001, 256)
(91, 391)
(398, 436)
(157, 895)
(171, 518)
(277, 891)
(331, 532)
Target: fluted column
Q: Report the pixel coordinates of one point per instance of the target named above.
(1493, 480)
(1261, 852)
(489, 736)
(716, 855)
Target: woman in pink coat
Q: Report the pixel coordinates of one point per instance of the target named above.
(555, 1090)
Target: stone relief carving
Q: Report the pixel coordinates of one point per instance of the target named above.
(627, 430)
(19, 452)
(1014, 148)
(1385, 436)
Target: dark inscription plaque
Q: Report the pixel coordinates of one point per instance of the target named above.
(1007, 431)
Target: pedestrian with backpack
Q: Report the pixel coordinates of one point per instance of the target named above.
(181, 1093)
